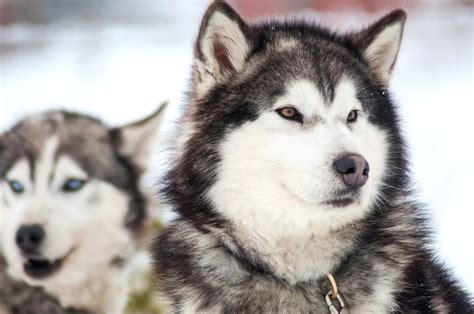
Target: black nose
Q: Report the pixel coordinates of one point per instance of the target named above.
(354, 170)
(29, 238)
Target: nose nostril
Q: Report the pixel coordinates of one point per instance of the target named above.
(34, 239)
(350, 170)
(345, 165)
(366, 169)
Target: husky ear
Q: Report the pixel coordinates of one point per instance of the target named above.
(2, 156)
(380, 42)
(135, 141)
(1, 146)
(222, 46)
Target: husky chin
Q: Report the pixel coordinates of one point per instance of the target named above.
(291, 165)
(72, 211)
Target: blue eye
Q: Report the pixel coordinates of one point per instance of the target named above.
(73, 185)
(16, 186)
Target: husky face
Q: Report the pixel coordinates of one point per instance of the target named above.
(290, 166)
(290, 130)
(58, 218)
(287, 166)
(71, 203)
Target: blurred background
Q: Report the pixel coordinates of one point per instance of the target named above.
(118, 59)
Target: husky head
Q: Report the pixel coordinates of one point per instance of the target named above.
(72, 206)
(290, 126)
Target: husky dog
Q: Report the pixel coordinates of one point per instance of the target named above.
(291, 165)
(72, 211)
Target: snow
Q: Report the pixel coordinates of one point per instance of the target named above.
(122, 71)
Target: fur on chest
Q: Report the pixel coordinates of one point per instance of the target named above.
(306, 256)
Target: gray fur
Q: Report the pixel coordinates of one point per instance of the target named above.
(204, 262)
(19, 298)
(80, 137)
(100, 152)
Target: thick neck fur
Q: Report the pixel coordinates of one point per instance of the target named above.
(307, 254)
(110, 285)
(304, 250)
(104, 293)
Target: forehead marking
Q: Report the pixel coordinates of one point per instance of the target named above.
(346, 96)
(304, 95)
(46, 163)
(19, 171)
(66, 167)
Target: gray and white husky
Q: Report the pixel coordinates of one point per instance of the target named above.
(290, 165)
(72, 211)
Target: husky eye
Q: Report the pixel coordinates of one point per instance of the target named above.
(16, 186)
(290, 113)
(352, 116)
(73, 185)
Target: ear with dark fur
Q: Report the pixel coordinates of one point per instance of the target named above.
(380, 42)
(135, 141)
(222, 46)
(2, 148)
(3, 151)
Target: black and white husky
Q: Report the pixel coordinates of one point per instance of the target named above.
(72, 210)
(290, 165)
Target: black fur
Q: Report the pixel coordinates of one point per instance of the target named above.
(191, 255)
(19, 298)
(80, 137)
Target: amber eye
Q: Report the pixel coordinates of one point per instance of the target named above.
(352, 116)
(290, 113)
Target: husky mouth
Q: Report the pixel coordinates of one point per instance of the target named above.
(340, 202)
(340, 198)
(40, 268)
(344, 197)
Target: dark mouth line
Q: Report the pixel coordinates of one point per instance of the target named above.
(342, 198)
(40, 268)
(340, 202)
(347, 193)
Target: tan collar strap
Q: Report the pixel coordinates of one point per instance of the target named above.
(334, 290)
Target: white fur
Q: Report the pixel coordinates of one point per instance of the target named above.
(89, 223)
(382, 51)
(276, 174)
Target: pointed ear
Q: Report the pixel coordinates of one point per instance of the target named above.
(380, 42)
(2, 157)
(222, 46)
(135, 141)
(1, 145)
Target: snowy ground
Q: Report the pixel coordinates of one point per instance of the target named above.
(122, 71)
